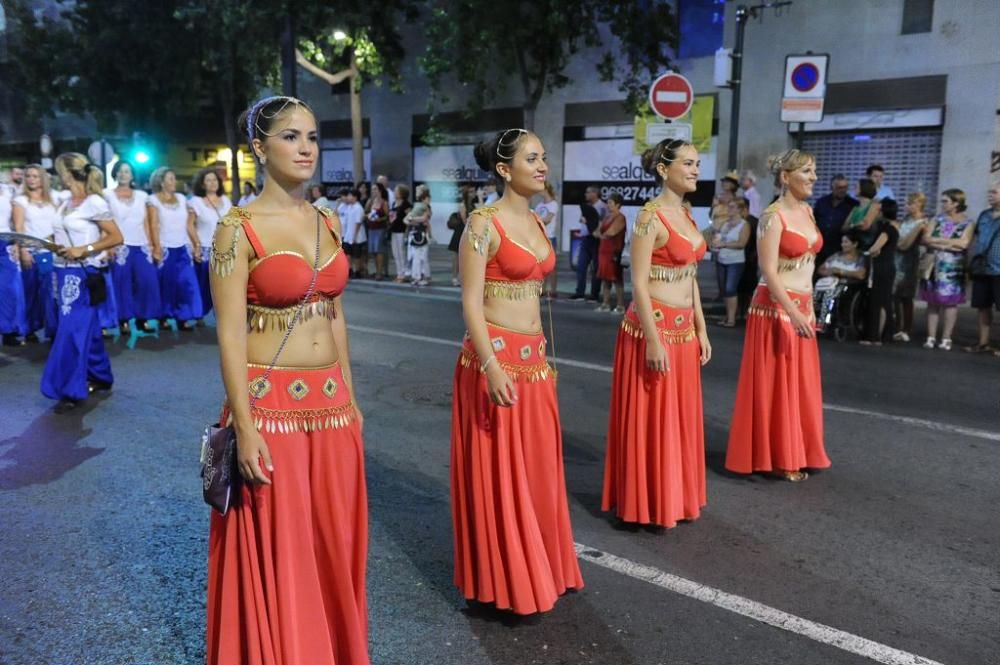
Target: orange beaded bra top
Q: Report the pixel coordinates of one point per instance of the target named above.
(279, 280)
(678, 258)
(515, 272)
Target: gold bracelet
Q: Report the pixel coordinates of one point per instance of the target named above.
(482, 368)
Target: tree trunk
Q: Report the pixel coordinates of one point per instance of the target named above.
(228, 103)
(357, 128)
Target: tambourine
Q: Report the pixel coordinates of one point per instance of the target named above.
(25, 240)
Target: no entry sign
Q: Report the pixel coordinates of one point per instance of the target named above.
(671, 96)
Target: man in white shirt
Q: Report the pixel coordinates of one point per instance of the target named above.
(749, 185)
(877, 173)
(352, 222)
(384, 181)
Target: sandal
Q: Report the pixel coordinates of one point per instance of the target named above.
(979, 348)
(790, 476)
(726, 324)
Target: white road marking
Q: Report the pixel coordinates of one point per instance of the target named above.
(932, 425)
(752, 609)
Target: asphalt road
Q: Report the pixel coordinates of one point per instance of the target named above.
(103, 534)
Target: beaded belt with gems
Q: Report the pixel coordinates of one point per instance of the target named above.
(530, 373)
(669, 335)
(672, 274)
(773, 310)
(530, 288)
(278, 318)
(303, 420)
(788, 265)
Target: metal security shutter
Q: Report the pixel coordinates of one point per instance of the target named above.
(910, 157)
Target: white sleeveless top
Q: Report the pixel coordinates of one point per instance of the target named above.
(207, 217)
(6, 212)
(731, 233)
(173, 221)
(77, 227)
(130, 215)
(39, 218)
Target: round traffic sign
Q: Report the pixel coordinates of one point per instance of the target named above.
(805, 77)
(671, 96)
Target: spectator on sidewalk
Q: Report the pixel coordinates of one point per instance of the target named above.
(418, 223)
(943, 275)
(728, 245)
(879, 322)
(907, 259)
(352, 219)
(249, 194)
(593, 211)
(611, 236)
(831, 211)
(985, 268)
(876, 173)
(548, 211)
(751, 272)
(397, 231)
(490, 194)
(728, 184)
(377, 216)
(749, 185)
(384, 181)
(862, 218)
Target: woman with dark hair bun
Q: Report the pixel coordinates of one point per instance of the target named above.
(777, 425)
(654, 470)
(286, 563)
(513, 541)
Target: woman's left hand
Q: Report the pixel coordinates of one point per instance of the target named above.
(72, 253)
(706, 347)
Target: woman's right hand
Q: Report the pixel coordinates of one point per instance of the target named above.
(802, 324)
(158, 254)
(250, 452)
(502, 390)
(656, 356)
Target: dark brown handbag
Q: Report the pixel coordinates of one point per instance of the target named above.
(219, 475)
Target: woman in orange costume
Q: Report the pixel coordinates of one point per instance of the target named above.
(654, 470)
(777, 425)
(513, 541)
(286, 564)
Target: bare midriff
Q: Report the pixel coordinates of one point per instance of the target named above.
(799, 279)
(311, 344)
(673, 294)
(519, 315)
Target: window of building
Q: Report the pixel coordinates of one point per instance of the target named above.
(918, 16)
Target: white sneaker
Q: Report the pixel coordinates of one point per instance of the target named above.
(901, 337)
(945, 344)
(602, 308)
(930, 343)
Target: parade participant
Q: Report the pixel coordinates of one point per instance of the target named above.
(78, 363)
(171, 235)
(137, 285)
(35, 213)
(512, 535)
(286, 577)
(654, 470)
(205, 210)
(13, 323)
(777, 424)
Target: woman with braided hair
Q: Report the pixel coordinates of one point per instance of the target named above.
(513, 540)
(286, 563)
(654, 471)
(777, 425)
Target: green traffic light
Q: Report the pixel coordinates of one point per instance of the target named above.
(141, 156)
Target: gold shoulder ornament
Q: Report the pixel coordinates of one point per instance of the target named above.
(481, 241)
(644, 222)
(221, 261)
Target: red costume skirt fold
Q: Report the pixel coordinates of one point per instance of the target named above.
(778, 418)
(654, 469)
(513, 540)
(286, 564)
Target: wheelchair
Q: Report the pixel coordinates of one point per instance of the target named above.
(840, 305)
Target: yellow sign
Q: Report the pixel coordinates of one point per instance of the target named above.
(700, 118)
(188, 158)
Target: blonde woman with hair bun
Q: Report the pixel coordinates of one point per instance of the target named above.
(777, 424)
(78, 364)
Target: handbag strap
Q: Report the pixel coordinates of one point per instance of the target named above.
(298, 313)
(552, 332)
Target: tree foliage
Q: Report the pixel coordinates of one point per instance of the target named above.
(482, 45)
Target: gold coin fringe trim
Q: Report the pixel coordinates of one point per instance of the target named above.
(260, 318)
(669, 336)
(788, 265)
(531, 288)
(279, 421)
(530, 373)
(672, 274)
(769, 312)
(222, 262)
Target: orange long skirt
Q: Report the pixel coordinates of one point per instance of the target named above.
(286, 564)
(654, 469)
(513, 540)
(778, 417)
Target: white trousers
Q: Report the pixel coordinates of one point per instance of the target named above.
(420, 264)
(399, 253)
